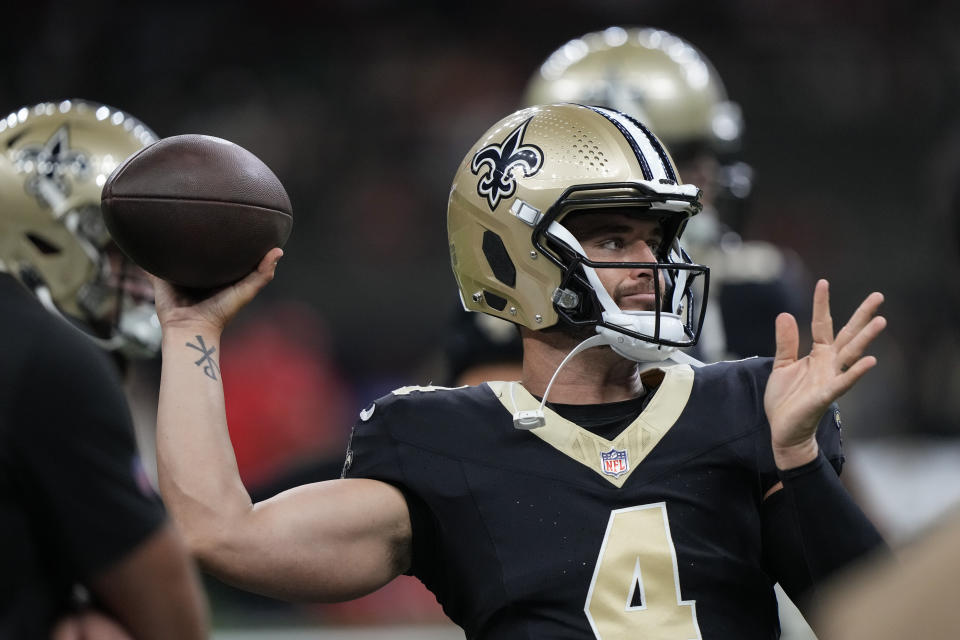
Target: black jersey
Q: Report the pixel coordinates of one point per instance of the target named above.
(73, 495)
(559, 533)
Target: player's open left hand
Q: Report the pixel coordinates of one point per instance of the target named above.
(177, 308)
(800, 389)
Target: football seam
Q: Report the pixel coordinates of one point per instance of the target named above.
(107, 200)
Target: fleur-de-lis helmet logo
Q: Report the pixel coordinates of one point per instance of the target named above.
(498, 165)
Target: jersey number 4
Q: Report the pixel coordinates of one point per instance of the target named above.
(635, 591)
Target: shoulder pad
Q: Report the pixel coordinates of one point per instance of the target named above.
(405, 391)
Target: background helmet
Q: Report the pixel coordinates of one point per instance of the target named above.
(54, 159)
(514, 259)
(669, 85)
(653, 75)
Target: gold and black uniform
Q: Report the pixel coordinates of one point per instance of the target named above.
(658, 529)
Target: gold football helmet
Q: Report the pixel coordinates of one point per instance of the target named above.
(514, 259)
(653, 75)
(54, 160)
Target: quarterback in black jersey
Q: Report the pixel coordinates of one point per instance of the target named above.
(540, 526)
(619, 489)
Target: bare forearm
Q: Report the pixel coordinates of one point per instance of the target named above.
(197, 468)
(330, 540)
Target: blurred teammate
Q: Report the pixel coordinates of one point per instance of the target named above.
(649, 498)
(80, 523)
(478, 347)
(666, 83)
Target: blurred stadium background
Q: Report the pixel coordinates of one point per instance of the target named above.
(364, 108)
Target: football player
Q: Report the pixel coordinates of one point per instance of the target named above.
(665, 82)
(80, 522)
(616, 490)
(669, 85)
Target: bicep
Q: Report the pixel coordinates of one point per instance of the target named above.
(327, 541)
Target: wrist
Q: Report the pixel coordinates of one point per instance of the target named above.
(177, 332)
(795, 455)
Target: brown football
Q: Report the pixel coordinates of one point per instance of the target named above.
(196, 210)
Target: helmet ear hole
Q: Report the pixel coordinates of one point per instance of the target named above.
(495, 301)
(498, 259)
(43, 246)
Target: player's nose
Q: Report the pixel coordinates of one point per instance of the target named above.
(642, 253)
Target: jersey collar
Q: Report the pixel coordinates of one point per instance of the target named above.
(614, 460)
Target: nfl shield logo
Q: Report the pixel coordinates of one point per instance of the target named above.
(614, 462)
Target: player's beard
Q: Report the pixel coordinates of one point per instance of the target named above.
(634, 287)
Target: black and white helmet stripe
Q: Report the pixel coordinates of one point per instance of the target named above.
(653, 158)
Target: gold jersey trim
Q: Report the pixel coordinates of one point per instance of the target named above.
(638, 439)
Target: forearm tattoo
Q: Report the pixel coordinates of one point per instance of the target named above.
(210, 367)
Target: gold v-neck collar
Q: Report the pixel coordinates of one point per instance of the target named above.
(628, 449)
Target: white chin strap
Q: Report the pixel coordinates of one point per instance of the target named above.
(646, 353)
(642, 322)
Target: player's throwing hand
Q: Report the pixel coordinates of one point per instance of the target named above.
(176, 308)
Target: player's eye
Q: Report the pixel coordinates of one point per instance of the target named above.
(611, 244)
(654, 244)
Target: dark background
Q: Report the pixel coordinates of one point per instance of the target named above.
(364, 109)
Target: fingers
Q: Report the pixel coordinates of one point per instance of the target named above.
(867, 309)
(89, 625)
(245, 290)
(855, 347)
(67, 629)
(843, 382)
(788, 340)
(856, 337)
(822, 325)
(270, 260)
(215, 309)
(99, 626)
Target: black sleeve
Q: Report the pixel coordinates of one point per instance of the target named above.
(373, 453)
(830, 437)
(812, 528)
(829, 441)
(77, 456)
